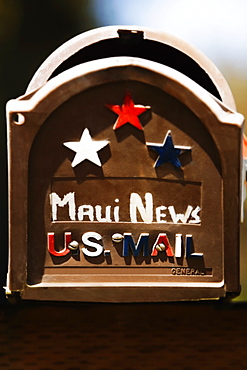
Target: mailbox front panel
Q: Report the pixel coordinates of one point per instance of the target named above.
(124, 193)
(125, 198)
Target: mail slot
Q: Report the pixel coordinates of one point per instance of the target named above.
(125, 174)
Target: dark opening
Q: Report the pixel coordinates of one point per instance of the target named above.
(132, 43)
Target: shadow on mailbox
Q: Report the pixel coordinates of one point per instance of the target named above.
(125, 170)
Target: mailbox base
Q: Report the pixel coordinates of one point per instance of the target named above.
(121, 294)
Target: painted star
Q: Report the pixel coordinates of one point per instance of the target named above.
(168, 152)
(86, 148)
(128, 112)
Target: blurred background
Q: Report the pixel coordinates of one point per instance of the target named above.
(30, 30)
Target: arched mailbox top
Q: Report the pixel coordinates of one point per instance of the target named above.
(87, 75)
(139, 42)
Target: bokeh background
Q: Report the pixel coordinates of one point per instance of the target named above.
(31, 29)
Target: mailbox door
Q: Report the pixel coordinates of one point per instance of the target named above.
(126, 182)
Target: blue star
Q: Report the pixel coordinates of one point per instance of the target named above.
(168, 152)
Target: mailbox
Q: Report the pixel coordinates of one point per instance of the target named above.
(125, 174)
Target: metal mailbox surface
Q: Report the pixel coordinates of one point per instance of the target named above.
(124, 186)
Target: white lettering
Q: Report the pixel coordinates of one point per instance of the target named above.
(178, 245)
(107, 218)
(180, 216)
(194, 214)
(55, 201)
(159, 214)
(145, 212)
(116, 214)
(85, 210)
(139, 211)
(98, 247)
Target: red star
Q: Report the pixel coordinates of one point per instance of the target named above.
(128, 112)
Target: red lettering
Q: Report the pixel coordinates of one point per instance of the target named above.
(51, 244)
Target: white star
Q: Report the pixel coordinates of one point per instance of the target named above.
(86, 148)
